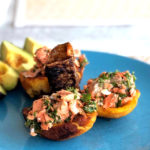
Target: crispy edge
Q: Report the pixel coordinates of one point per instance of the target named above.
(63, 131)
(120, 111)
(31, 88)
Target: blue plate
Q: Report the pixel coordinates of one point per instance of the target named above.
(131, 132)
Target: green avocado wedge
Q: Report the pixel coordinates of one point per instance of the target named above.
(17, 58)
(31, 45)
(8, 77)
(2, 92)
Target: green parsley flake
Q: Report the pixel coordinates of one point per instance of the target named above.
(122, 95)
(54, 115)
(86, 97)
(34, 114)
(134, 77)
(84, 62)
(69, 118)
(46, 102)
(73, 90)
(33, 124)
(119, 103)
(90, 107)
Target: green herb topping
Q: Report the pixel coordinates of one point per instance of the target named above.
(33, 124)
(73, 90)
(90, 106)
(84, 62)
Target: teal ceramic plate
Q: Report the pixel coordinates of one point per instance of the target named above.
(131, 132)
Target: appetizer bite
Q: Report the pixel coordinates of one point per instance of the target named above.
(55, 69)
(115, 93)
(62, 115)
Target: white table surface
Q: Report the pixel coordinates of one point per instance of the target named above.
(123, 40)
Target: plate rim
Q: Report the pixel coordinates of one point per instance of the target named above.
(118, 55)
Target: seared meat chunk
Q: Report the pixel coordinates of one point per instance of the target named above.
(62, 74)
(61, 52)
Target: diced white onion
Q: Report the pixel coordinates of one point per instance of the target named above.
(105, 92)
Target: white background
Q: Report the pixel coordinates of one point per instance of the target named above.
(129, 40)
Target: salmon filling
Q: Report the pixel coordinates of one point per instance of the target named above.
(112, 89)
(58, 108)
(43, 57)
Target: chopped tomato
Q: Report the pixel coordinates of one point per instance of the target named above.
(122, 91)
(37, 105)
(44, 126)
(118, 90)
(42, 55)
(110, 101)
(126, 99)
(108, 86)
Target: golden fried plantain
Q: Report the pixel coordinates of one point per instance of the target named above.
(119, 111)
(67, 130)
(35, 86)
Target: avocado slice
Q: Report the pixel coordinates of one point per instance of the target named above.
(17, 58)
(2, 92)
(31, 45)
(8, 77)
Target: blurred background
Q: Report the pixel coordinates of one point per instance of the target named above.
(114, 26)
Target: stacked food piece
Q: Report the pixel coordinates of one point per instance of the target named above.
(55, 69)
